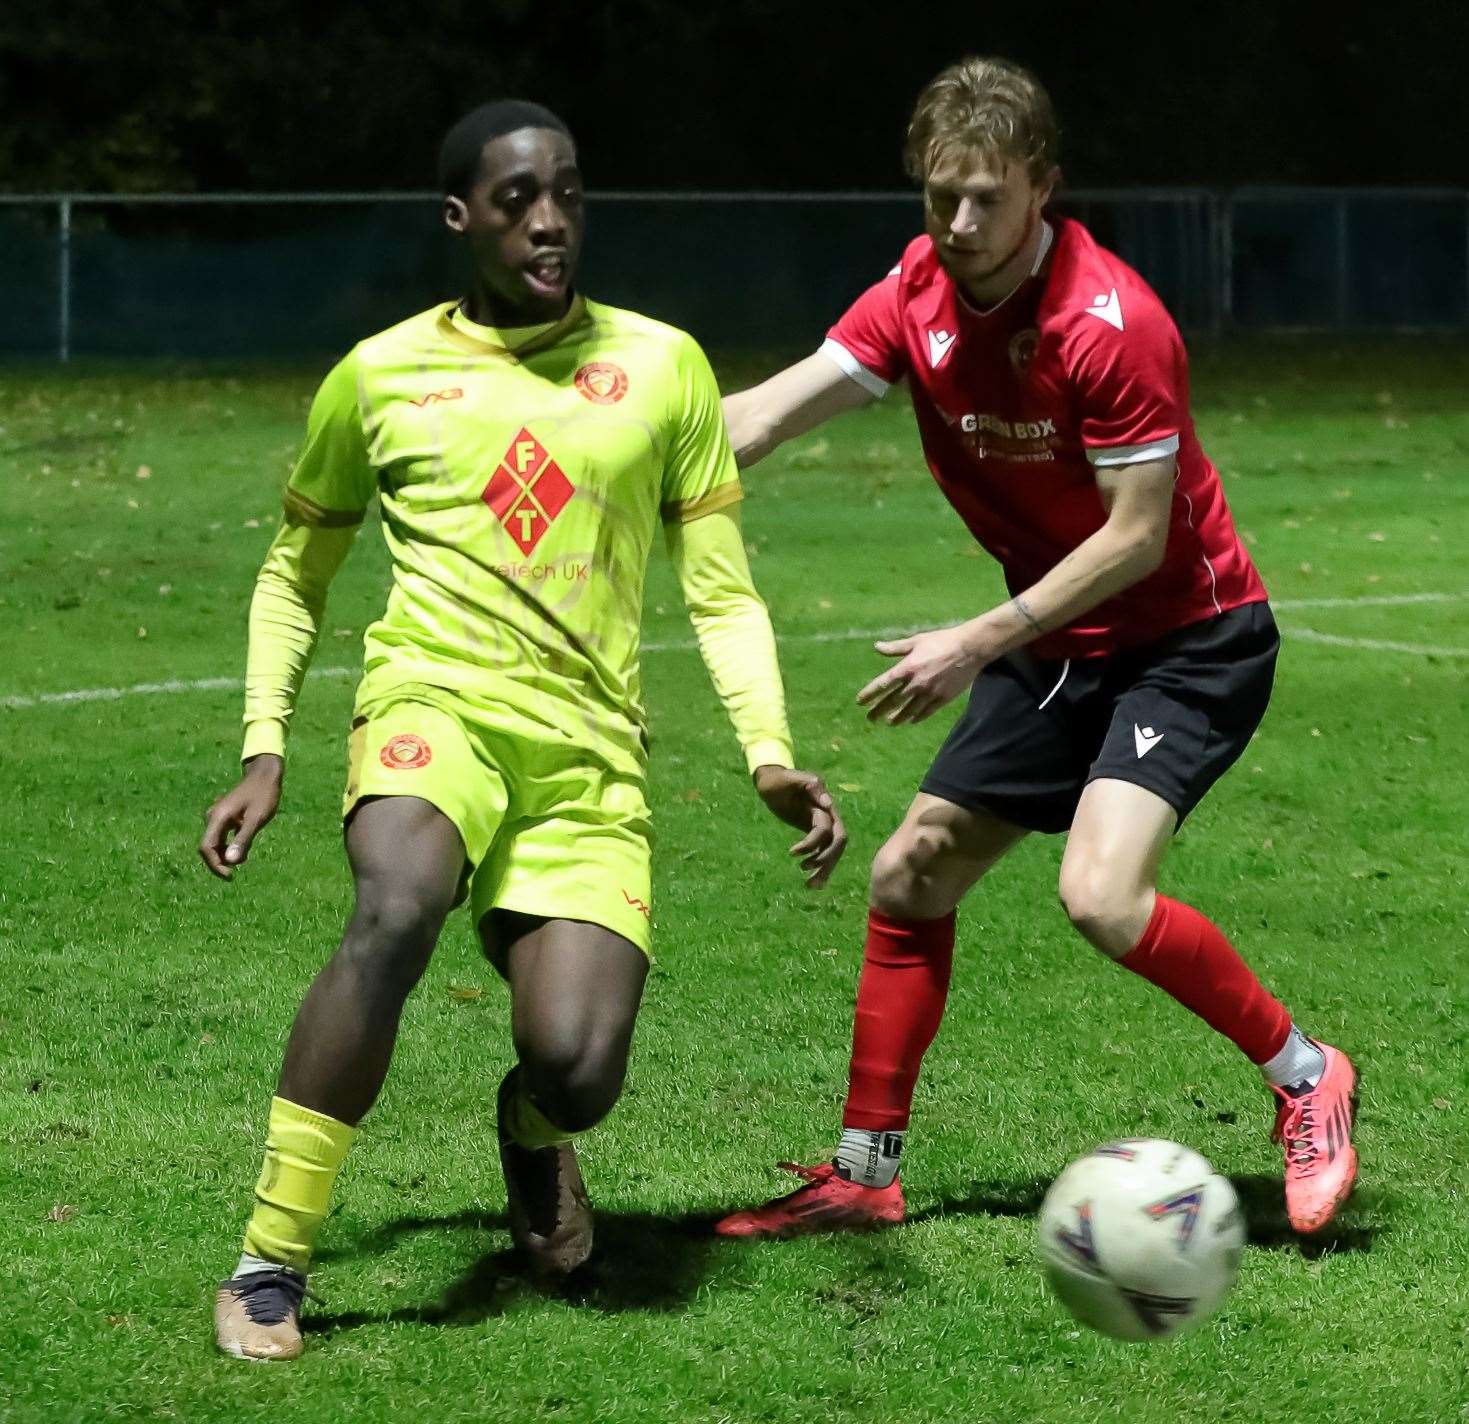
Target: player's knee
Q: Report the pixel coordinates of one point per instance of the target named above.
(392, 934)
(1102, 905)
(908, 880)
(576, 1077)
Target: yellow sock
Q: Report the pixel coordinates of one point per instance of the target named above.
(303, 1150)
(530, 1127)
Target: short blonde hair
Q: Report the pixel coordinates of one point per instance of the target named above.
(993, 105)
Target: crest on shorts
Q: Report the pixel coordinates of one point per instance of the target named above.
(527, 491)
(1022, 349)
(405, 752)
(601, 382)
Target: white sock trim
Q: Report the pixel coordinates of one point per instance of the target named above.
(253, 1265)
(1299, 1061)
(870, 1158)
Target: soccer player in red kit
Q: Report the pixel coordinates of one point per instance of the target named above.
(1126, 673)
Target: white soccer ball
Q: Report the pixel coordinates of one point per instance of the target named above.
(1141, 1239)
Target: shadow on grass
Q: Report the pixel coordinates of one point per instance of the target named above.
(641, 1262)
(990, 1198)
(1261, 1196)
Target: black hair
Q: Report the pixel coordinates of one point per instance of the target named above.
(459, 154)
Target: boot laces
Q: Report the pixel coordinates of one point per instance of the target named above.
(1298, 1132)
(268, 1297)
(810, 1176)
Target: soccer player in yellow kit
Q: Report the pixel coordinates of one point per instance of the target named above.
(524, 444)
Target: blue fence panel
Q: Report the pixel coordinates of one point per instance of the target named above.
(272, 275)
(271, 280)
(1408, 262)
(30, 266)
(1285, 272)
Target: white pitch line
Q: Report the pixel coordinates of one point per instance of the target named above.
(1371, 600)
(23, 701)
(1377, 645)
(832, 635)
(20, 702)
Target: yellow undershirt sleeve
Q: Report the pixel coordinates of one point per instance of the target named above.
(285, 620)
(736, 640)
(325, 498)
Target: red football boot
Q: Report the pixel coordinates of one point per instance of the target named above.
(827, 1201)
(1315, 1129)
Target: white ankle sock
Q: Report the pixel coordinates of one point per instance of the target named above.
(870, 1158)
(249, 1265)
(1299, 1063)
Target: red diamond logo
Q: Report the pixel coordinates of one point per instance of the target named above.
(527, 491)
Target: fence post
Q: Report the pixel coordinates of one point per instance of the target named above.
(1343, 276)
(63, 253)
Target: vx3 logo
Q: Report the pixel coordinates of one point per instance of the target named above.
(453, 393)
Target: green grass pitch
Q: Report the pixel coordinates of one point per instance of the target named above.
(143, 1007)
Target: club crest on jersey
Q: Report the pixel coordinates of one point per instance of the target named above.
(601, 382)
(527, 491)
(1022, 349)
(405, 752)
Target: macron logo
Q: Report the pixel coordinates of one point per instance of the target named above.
(1146, 739)
(1107, 308)
(939, 343)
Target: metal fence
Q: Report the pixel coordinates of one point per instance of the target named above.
(241, 274)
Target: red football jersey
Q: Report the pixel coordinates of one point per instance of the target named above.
(1080, 366)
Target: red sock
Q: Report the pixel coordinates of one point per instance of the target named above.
(900, 1000)
(1185, 955)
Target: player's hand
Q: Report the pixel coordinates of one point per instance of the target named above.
(934, 668)
(231, 823)
(801, 799)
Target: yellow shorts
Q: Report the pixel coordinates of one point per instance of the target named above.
(547, 830)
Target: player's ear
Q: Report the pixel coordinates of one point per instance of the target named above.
(1048, 185)
(456, 214)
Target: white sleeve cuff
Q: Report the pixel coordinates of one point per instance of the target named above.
(849, 365)
(1103, 455)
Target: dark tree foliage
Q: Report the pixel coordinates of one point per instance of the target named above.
(286, 94)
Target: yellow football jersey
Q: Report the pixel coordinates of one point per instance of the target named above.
(522, 477)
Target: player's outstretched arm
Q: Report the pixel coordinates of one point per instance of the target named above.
(738, 647)
(936, 666)
(790, 403)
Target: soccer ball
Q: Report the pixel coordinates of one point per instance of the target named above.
(1141, 1239)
